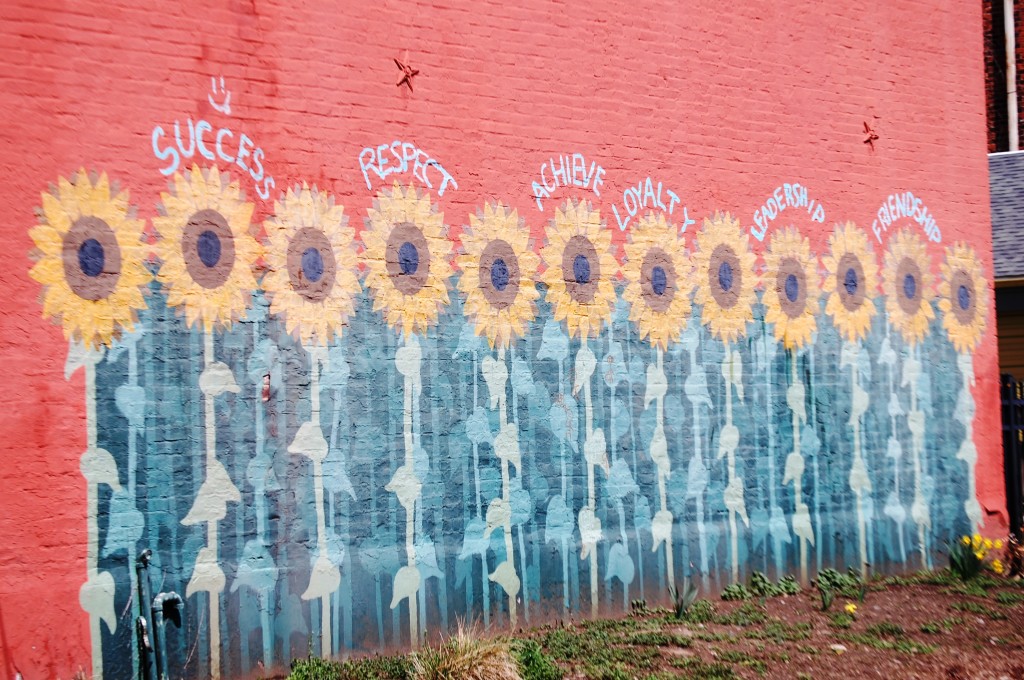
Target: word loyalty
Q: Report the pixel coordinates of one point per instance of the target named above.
(644, 195)
(785, 196)
(570, 171)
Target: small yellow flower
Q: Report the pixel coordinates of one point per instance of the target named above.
(850, 608)
(980, 555)
(977, 541)
(998, 544)
(966, 540)
(997, 566)
(988, 544)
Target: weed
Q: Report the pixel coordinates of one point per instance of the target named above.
(534, 664)
(696, 667)
(314, 668)
(762, 586)
(638, 607)
(702, 611)
(885, 629)
(807, 649)
(741, 658)
(736, 591)
(946, 624)
(657, 639)
(778, 632)
(683, 599)
(903, 645)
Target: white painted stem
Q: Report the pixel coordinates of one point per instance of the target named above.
(799, 481)
(92, 492)
(211, 526)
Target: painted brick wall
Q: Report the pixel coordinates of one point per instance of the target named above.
(341, 418)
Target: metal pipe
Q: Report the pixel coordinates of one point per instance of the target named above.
(1011, 73)
(146, 630)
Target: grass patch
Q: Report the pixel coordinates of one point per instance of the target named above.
(904, 645)
(1009, 597)
(702, 611)
(370, 668)
(657, 639)
(534, 664)
(467, 656)
(778, 632)
(935, 627)
(742, 659)
(885, 629)
(840, 620)
(695, 667)
(980, 609)
(748, 614)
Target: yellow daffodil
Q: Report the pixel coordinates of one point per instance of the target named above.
(850, 608)
(980, 555)
(966, 540)
(997, 566)
(998, 544)
(988, 544)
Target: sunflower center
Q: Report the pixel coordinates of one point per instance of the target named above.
(850, 281)
(581, 269)
(408, 258)
(499, 274)
(312, 264)
(963, 297)
(792, 287)
(208, 247)
(659, 280)
(725, 276)
(90, 257)
(909, 285)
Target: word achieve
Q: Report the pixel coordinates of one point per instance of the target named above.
(241, 154)
(570, 171)
(785, 196)
(905, 205)
(644, 195)
(397, 158)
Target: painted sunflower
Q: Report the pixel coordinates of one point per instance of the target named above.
(791, 288)
(960, 297)
(907, 284)
(206, 247)
(657, 270)
(406, 259)
(498, 270)
(851, 281)
(724, 265)
(580, 267)
(90, 259)
(312, 279)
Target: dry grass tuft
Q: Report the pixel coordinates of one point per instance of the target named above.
(467, 656)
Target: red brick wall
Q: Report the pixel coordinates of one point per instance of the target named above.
(722, 103)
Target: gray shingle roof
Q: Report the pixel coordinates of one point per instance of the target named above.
(1006, 186)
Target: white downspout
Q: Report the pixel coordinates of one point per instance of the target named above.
(1011, 73)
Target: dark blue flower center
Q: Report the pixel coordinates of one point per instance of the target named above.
(312, 264)
(581, 269)
(909, 286)
(499, 274)
(725, 276)
(408, 258)
(208, 247)
(90, 257)
(963, 297)
(792, 287)
(659, 281)
(850, 281)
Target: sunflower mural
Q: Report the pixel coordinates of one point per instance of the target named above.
(312, 285)
(580, 269)
(407, 271)
(851, 284)
(90, 259)
(907, 284)
(498, 270)
(790, 298)
(657, 270)
(208, 254)
(724, 266)
(964, 310)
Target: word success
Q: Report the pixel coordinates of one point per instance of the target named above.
(570, 171)
(644, 195)
(399, 157)
(203, 139)
(905, 205)
(785, 196)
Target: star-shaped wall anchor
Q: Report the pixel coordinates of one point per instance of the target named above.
(408, 73)
(871, 136)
